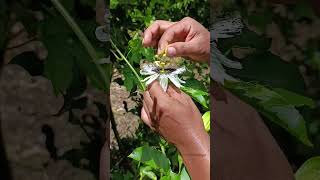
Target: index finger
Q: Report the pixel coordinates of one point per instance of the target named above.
(154, 31)
(175, 33)
(156, 91)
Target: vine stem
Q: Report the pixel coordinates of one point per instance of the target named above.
(82, 37)
(130, 66)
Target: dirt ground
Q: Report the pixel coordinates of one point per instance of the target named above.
(127, 122)
(22, 119)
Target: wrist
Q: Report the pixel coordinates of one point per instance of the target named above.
(197, 145)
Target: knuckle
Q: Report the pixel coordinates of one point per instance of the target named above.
(145, 94)
(156, 22)
(162, 107)
(187, 18)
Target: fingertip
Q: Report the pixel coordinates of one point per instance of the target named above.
(144, 115)
(174, 93)
(171, 51)
(146, 41)
(155, 90)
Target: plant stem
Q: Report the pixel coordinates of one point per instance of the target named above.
(128, 63)
(82, 37)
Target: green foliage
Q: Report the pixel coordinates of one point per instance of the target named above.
(275, 107)
(142, 13)
(65, 50)
(156, 162)
(129, 18)
(274, 87)
(198, 95)
(257, 67)
(206, 120)
(68, 65)
(151, 157)
(62, 53)
(310, 170)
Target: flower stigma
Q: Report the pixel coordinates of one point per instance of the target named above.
(162, 69)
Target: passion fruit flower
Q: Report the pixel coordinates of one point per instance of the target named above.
(226, 28)
(159, 71)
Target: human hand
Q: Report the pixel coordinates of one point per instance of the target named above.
(186, 38)
(176, 118)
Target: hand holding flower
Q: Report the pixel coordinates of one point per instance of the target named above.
(186, 38)
(174, 115)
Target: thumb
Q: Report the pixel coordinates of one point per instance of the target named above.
(181, 49)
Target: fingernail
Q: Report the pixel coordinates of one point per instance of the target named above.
(171, 51)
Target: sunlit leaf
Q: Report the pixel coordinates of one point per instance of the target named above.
(151, 157)
(171, 176)
(310, 170)
(184, 174)
(198, 95)
(147, 171)
(206, 120)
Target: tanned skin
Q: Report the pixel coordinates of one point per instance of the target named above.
(242, 145)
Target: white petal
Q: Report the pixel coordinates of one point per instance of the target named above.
(217, 54)
(152, 78)
(180, 80)
(145, 73)
(226, 28)
(174, 80)
(148, 69)
(179, 71)
(164, 82)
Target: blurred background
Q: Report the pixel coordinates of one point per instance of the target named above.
(52, 113)
(279, 49)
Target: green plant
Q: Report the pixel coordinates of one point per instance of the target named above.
(154, 159)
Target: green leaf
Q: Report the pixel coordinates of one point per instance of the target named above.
(147, 171)
(58, 66)
(274, 106)
(268, 69)
(198, 95)
(135, 46)
(246, 39)
(180, 160)
(195, 84)
(138, 52)
(295, 99)
(121, 176)
(171, 176)
(113, 4)
(310, 170)
(129, 78)
(151, 157)
(148, 54)
(184, 174)
(90, 69)
(64, 51)
(206, 120)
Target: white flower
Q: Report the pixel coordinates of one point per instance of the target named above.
(223, 29)
(155, 72)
